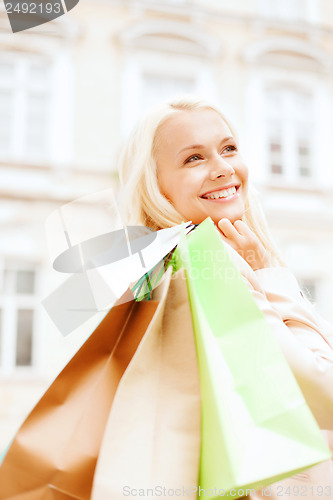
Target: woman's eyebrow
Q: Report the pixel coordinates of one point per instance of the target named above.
(194, 146)
(200, 146)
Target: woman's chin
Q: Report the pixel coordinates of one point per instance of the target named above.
(216, 214)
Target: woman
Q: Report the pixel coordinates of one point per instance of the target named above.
(182, 164)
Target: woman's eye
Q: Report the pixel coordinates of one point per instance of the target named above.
(193, 158)
(229, 149)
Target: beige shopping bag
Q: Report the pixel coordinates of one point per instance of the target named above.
(151, 445)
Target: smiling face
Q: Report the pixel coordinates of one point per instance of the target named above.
(199, 168)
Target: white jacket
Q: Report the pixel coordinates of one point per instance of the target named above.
(307, 343)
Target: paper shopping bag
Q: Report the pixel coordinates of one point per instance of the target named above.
(151, 445)
(256, 425)
(54, 453)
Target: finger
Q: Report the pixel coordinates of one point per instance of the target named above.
(228, 229)
(243, 228)
(228, 241)
(247, 234)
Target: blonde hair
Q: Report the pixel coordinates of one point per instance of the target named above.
(141, 201)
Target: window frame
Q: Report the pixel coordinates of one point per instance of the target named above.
(140, 62)
(256, 140)
(10, 303)
(290, 140)
(60, 113)
(309, 12)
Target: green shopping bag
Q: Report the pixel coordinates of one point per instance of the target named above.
(256, 426)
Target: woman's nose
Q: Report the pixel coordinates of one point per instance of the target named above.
(220, 168)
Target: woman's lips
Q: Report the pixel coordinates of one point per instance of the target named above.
(224, 199)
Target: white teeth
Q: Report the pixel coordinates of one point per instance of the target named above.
(221, 194)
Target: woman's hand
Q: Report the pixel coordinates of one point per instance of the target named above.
(245, 242)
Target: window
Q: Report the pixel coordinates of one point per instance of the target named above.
(290, 118)
(286, 10)
(162, 61)
(17, 317)
(291, 10)
(24, 107)
(157, 88)
(144, 86)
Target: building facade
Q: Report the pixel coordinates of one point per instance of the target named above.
(71, 90)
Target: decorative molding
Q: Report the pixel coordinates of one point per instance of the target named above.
(170, 36)
(255, 51)
(63, 28)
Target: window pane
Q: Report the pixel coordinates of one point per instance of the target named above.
(303, 125)
(38, 72)
(274, 103)
(288, 10)
(8, 279)
(25, 282)
(37, 123)
(24, 337)
(6, 68)
(6, 103)
(290, 121)
(275, 149)
(157, 88)
(304, 171)
(302, 108)
(24, 128)
(304, 160)
(276, 169)
(274, 117)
